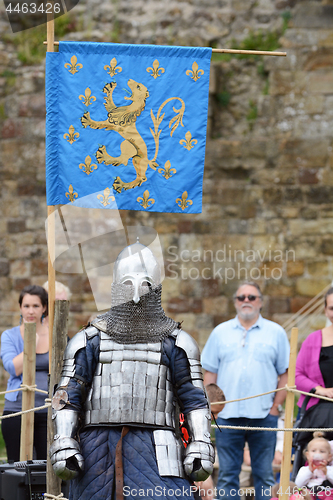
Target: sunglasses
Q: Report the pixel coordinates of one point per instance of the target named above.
(251, 298)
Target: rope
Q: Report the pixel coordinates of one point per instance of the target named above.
(293, 429)
(255, 396)
(48, 495)
(24, 387)
(47, 405)
(285, 388)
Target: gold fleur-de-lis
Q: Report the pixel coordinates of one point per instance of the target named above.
(183, 202)
(155, 70)
(167, 171)
(106, 198)
(72, 136)
(113, 68)
(145, 200)
(188, 142)
(73, 66)
(87, 166)
(87, 98)
(71, 195)
(195, 72)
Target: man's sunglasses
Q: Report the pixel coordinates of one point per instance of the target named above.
(251, 298)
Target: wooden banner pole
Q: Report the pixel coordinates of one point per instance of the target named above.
(254, 52)
(50, 211)
(53, 483)
(235, 51)
(28, 397)
(288, 420)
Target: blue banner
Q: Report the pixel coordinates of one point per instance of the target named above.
(126, 126)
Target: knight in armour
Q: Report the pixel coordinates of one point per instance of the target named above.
(125, 378)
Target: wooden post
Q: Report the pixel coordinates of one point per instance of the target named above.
(53, 483)
(288, 420)
(50, 208)
(28, 397)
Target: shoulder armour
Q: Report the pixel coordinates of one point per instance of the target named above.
(78, 342)
(100, 324)
(187, 343)
(91, 332)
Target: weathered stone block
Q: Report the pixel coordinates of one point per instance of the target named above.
(313, 15)
(320, 194)
(314, 104)
(319, 269)
(297, 302)
(11, 128)
(20, 268)
(326, 246)
(320, 82)
(215, 306)
(310, 286)
(16, 226)
(308, 176)
(295, 268)
(276, 305)
(285, 82)
(4, 267)
(178, 305)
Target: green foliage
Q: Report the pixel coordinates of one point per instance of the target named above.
(10, 77)
(260, 40)
(253, 112)
(2, 112)
(286, 16)
(29, 43)
(217, 57)
(223, 98)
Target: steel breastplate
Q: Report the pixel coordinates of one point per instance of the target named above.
(130, 386)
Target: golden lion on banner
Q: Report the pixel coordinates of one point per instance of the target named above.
(122, 119)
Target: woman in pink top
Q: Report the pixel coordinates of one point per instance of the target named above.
(314, 365)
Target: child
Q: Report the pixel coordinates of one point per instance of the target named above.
(317, 473)
(216, 398)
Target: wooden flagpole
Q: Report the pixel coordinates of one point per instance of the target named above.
(254, 52)
(53, 483)
(235, 51)
(50, 221)
(288, 420)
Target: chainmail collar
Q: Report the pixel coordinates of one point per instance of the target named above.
(130, 323)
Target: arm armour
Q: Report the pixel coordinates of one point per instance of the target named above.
(190, 396)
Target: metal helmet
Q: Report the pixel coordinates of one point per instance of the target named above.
(137, 266)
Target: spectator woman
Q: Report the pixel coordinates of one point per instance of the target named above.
(314, 369)
(33, 306)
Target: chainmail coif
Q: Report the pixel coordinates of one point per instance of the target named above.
(131, 323)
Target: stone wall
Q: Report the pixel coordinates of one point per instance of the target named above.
(268, 182)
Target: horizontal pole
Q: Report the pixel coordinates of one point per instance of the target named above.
(236, 51)
(254, 52)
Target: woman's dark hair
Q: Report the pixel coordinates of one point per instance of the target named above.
(35, 290)
(329, 292)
